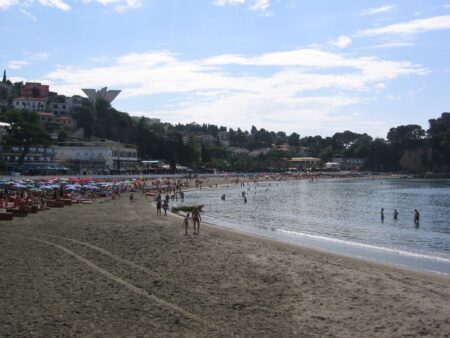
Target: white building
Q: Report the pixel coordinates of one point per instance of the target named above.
(350, 163)
(30, 103)
(306, 163)
(97, 157)
(65, 108)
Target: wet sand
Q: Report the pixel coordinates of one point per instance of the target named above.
(115, 269)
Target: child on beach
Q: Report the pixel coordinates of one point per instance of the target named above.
(186, 224)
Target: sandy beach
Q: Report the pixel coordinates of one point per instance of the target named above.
(115, 269)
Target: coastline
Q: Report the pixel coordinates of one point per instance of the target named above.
(135, 273)
(378, 254)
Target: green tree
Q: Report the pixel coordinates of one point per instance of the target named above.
(25, 131)
(294, 140)
(439, 134)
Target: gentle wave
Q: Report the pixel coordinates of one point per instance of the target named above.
(368, 246)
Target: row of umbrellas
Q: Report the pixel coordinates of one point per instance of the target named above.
(67, 184)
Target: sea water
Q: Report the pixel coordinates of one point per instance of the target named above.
(342, 216)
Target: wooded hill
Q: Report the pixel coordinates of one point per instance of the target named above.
(406, 147)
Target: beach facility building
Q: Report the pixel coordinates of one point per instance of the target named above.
(100, 157)
(349, 163)
(39, 160)
(306, 163)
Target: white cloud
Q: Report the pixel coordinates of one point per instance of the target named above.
(119, 5)
(17, 64)
(303, 88)
(342, 42)
(4, 4)
(59, 4)
(393, 44)
(261, 6)
(410, 27)
(378, 10)
(228, 2)
(28, 14)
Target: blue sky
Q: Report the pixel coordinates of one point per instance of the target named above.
(313, 67)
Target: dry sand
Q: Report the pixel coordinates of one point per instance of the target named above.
(115, 269)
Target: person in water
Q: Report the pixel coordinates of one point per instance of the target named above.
(416, 217)
(382, 215)
(223, 197)
(395, 214)
(196, 218)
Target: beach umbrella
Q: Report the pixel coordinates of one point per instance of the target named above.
(35, 190)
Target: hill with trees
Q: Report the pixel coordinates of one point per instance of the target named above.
(406, 147)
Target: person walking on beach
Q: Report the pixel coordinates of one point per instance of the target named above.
(131, 198)
(186, 224)
(416, 217)
(165, 207)
(382, 215)
(196, 218)
(158, 208)
(395, 214)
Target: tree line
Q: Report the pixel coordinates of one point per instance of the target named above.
(406, 147)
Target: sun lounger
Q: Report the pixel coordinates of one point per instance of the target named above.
(18, 212)
(6, 216)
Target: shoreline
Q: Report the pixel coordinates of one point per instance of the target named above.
(318, 250)
(117, 269)
(339, 251)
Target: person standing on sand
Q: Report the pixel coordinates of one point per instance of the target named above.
(165, 207)
(186, 224)
(158, 208)
(382, 215)
(196, 218)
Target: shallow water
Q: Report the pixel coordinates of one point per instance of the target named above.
(343, 216)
